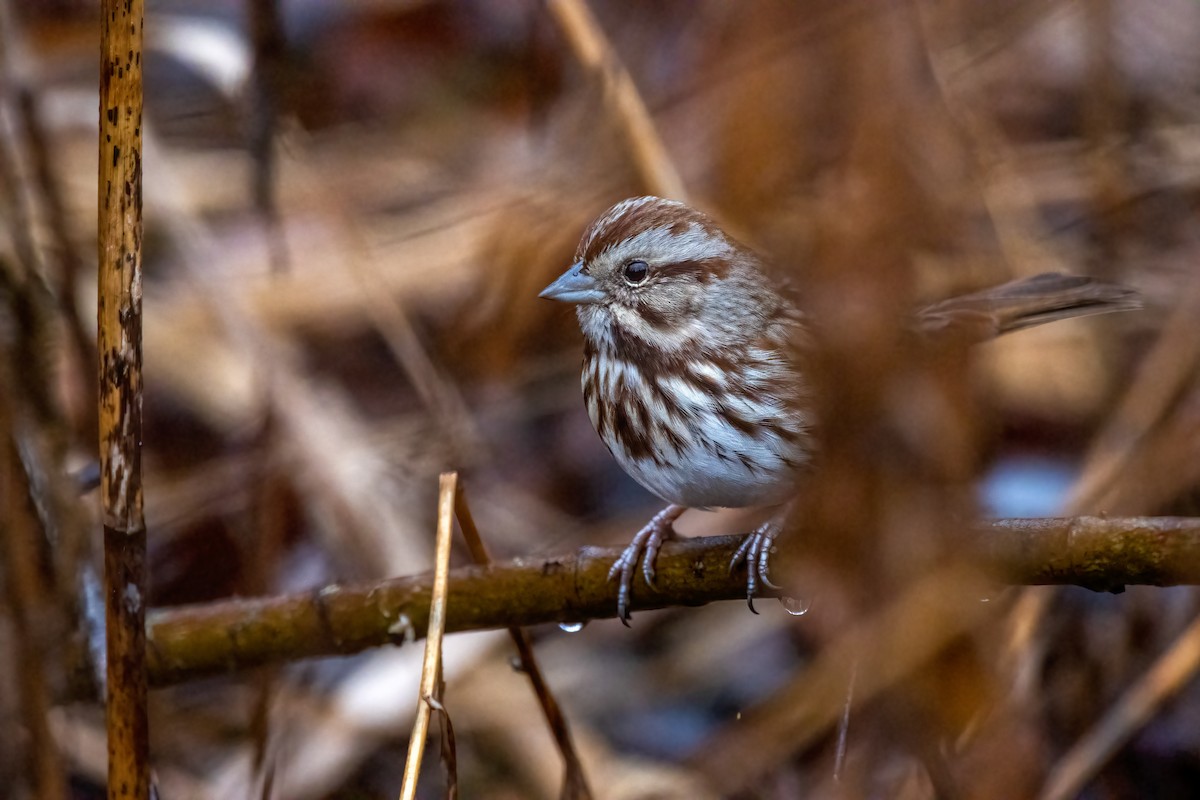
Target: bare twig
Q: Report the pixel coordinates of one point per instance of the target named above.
(447, 486)
(575, 784)
(189, 642)
(120, 366)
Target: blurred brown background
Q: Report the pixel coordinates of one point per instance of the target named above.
(350, 209)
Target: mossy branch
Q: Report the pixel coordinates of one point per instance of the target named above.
(194, 641)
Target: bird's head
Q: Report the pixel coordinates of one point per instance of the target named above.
(657, 270)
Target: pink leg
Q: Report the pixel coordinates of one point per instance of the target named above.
(644, 548)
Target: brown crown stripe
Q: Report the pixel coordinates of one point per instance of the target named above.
(609, 229)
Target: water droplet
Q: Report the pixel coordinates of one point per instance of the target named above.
(402, 630)
(794, 606)
(985, 599)
(571, 627)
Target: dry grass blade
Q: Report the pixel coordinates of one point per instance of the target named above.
(387, 312)
(1173, 670)
(594, 52)
(575, 783)
(447, 485)
(443, 400)
(20, 570)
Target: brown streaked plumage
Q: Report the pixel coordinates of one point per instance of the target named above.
(691, 374)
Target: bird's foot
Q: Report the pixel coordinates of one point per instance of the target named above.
(644, 548)
(755, 552)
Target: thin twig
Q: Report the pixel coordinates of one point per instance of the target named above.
(433, 644)
(575, 784)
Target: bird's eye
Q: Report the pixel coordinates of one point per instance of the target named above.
(636, 272)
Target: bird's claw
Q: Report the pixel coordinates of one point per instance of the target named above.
(755, 552)
(623, 567)
(644, 548)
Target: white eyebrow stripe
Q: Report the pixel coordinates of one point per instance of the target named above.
(660, 244)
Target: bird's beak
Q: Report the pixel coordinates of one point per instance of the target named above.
(574, 286)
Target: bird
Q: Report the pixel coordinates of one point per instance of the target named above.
(691, 370)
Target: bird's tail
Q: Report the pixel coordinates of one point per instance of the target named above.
(1025, 303)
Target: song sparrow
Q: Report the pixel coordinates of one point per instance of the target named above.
(690, 374)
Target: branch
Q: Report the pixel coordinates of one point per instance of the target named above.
(194, 641)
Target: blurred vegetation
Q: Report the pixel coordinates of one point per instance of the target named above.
(350, 209)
